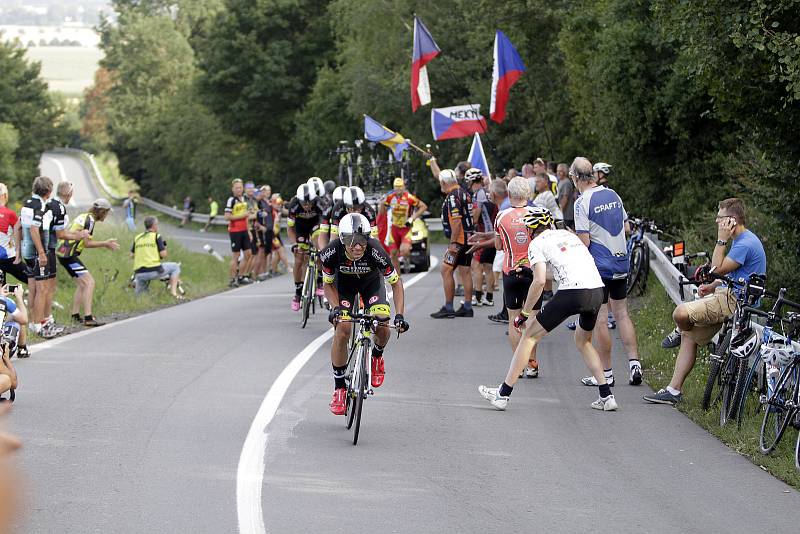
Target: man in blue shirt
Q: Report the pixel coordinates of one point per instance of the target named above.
(600, 220)
(699, 320)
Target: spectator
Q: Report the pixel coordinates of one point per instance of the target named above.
(148, 252)
(529, 174)
(14, 310)
(188, 209)
(544, 196)
(237, 215)
(278, 252)
(483, 213)
(499, 194)
(213, 211)
(129, 205)
(250, 196)
(540, 166)
(263, 228)
(701, 319)
(34, 245)
(10, 241)
(69, 251)
(565, 195)
(511, 174)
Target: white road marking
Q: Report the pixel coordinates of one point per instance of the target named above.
(63, 174)
(250, 473)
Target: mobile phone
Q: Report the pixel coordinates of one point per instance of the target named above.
(12, 288)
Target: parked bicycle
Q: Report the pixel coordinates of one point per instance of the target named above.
(639, 254)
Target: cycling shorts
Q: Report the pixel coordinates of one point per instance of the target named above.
(34, 271)
(568, 302)
(515, 290)
(616, 288)
(371, 289)
(485, 256)
(458, 259)
(400, 235)
(240, 241)
(307, 232)
(267, 236)
(73, 265)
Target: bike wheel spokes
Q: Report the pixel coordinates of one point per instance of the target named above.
(752, 390)
(778, 410)
(352, 379)
(363, 386)
(732, 383)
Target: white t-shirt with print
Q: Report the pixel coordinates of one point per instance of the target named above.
(572, 264)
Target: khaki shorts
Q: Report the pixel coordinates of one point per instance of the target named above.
(708, 313)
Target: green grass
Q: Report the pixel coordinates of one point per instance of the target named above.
(201, 275)
(119, 184)
(67, 69)
(652, 315)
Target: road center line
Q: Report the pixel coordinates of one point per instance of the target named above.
(250, 473)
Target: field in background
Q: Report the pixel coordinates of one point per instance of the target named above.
(67, 69)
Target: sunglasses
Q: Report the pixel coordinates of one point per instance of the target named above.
(354, 240)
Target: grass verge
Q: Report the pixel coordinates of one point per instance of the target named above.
(653, 317)
(119, 184)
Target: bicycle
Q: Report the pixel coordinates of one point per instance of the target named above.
(358, 376)
(639, 255)
(309, 295)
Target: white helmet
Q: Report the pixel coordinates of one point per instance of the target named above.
(473, 174)
(778, 351)
(353, 197)
(744, 344)
(306, 193)
(317, 185)
(605, 168)
(338, 192)
(353, 224)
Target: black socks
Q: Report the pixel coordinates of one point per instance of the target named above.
(605, 390)
(377, 351)
(505, 390)
(338, 376)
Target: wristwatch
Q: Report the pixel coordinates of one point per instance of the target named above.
(721, 243)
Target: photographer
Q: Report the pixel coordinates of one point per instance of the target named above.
(147, 251)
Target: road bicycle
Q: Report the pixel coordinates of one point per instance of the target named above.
(358, 376)
(639, 255)
(309, 297)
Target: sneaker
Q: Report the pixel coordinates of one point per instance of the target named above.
(463, 312)
(475, 301)
(233, 283)
(263, 276)
(636, 376)
(23, 352)
(486, 302)
(530, 371)
(493, 396)
(607, 404)
(443, 313)
(56, 328)
(295, 303)
(92, 322)
(337, 404)
(76, 318)
(592, 381)
(459, 290)
(243, 281)
(673, 340)
(378, 372)
(662, 396)
(320, 292)
(47, 332)
(501, 317)
(573, 325)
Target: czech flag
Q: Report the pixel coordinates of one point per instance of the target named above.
(457, 121)
(425, 49)
(508, 67)
(378, 133)
(477, 157)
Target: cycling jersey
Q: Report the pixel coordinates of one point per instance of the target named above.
(515, 238)
(58, 220)
(73, 247)
(32, 215)
(599, 213)
(8, 219)
(485, 217)
(305, 223)
(457, 206)
(236, 206)
(402, 205)
(374, 263)
(571, 261)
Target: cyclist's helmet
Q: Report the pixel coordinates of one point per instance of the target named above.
(317, 185)
(354, 228)
(338, 192)
(306, 193)
(743, 345)
(605, 168)
(537, 217)
(353, 197)
(473, 175)
(777, 351)
(330, 185)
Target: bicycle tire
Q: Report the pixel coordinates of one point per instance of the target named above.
(797, 453)
(714, 367)
(305, 299)
(351, 392)
(633, 270)
(754, 386)
(362, 391)
(776, 415)
(731, 389)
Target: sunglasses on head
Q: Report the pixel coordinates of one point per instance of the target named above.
(352, 240)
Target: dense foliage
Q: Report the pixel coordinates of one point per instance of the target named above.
(690, 101)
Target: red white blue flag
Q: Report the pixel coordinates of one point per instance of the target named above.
(508, 67)
(425, 49)
(457, 121)
(477, 157)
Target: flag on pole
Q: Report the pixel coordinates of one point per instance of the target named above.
(457, 121)
(425, 49)
(508, 67)
(378, 133)
(477, 157)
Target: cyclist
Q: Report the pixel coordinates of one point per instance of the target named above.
(319, 188)
(355, 266)
(580, 292)
(600, 223)
(303, 227)
(327, 215)
(406, 208)
(69, 251)
(237, 215)
(701, 319)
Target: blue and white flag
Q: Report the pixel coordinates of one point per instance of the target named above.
(477, 157)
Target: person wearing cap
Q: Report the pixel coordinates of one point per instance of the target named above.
(69, 251)
(405, 209)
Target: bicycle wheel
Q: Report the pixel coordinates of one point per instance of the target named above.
(313, 289)
(634, 269)
(352, 378)
(306, 298)
(714, 366)
(797, 453)
(731, 389)
(753, 387)
(361, 393)
(776, 412)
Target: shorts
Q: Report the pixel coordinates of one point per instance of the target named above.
(486, 256)
(372, 291)
(515, 290)
(568, 302)
(616, 288)
(400, 234)
(458, 259)
(499, 257)
(254, 242)
(239, 241)
(73, 265)
(708, 313)
(17, 270)
(267, 238)
(39, 274)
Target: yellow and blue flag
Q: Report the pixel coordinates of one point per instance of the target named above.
(378, 133)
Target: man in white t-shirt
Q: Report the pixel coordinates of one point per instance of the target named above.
(580, 292)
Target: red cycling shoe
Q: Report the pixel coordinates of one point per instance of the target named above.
(338, 402)
(378, 372)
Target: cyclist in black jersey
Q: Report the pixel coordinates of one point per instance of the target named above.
(327, 216)
(353, 201)
(353, 266)
(303, 227)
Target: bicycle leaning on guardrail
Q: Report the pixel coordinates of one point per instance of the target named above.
(639, 255)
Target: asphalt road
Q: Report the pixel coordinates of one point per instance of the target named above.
(60, 167)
